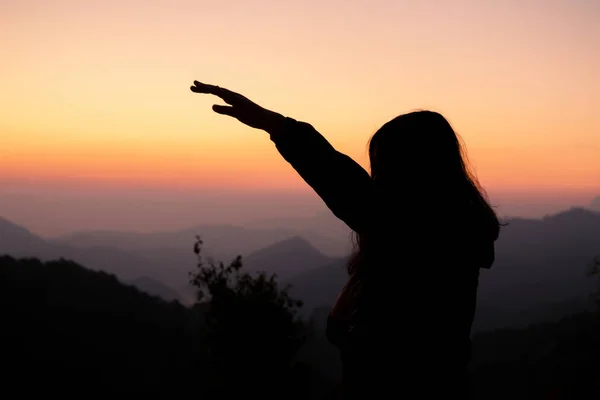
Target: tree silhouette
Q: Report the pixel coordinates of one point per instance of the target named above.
(251, 331)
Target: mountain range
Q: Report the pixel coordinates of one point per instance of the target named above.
(539, 273)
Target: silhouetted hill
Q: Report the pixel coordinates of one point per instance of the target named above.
(131, 255)
(65, 327)
(16, 239)
(557, 360)
(539, 273)
(286, 258)
(224, 242)
(169, 257)
(319, 286)
(327, 234)
(540, 264)
(19, 242)
(323, 230)
(156, 288)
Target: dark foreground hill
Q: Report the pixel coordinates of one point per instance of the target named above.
(71, 331)
(68, 330)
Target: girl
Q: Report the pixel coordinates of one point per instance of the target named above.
(423, 230)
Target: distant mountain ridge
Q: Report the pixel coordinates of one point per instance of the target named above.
(158, 262)
(214, 237)
(286, 258)
(15, 238)
(539, 270)
(19, 242)
(156, 288)
(222, 242)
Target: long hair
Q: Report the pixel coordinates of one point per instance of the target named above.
(420, 152)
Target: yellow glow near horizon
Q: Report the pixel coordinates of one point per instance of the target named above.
(99, 90)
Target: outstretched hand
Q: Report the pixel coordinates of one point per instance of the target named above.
(240, 107)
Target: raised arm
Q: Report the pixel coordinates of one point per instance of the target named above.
(344, 186)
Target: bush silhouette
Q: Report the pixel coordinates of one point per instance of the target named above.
(251, 331)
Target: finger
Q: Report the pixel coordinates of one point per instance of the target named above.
(204, 88)
(200, 87)
(226, 95)
(224, 110)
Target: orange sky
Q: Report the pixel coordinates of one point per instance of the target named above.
(97, 91)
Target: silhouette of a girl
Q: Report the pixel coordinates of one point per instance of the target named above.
(423, 230)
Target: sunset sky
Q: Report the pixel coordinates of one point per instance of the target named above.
(97, 93)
